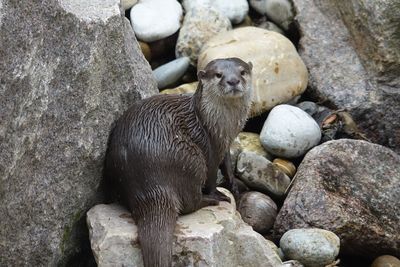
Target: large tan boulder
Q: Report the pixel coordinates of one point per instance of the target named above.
(279, 74)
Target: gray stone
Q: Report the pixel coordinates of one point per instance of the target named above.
(68, 70)
(279, 11)
(257, 210)
(289, 132)
(260, 174)
(351, 188)
(170, 72)
(212, 236)
(199, 25)
(359, 43)
(310, 107)
(311, 247)
(292, 263)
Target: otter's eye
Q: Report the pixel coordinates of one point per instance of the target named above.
(243, 72)
(218, 75)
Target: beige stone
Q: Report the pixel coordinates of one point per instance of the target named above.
(186, 88)
(279, 74)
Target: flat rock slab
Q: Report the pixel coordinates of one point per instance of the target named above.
(213, 236)
(351, 188)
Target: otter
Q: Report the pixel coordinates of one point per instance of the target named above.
(164, 152)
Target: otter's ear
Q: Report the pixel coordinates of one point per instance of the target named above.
(201, 74)
(250, 65)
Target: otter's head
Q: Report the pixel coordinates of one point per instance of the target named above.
(228, 78)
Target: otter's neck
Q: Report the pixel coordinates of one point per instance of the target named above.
(223, 118)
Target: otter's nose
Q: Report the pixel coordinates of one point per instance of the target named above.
(233, 81)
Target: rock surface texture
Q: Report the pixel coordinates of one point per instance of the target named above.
(359, 42)
(341, 188)
(68, 69)
(200, 24)
(212, 236)
(279, 74)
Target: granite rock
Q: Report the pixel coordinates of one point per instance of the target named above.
(349, 187)
(199, 25)
(359, 42)
(68, 70)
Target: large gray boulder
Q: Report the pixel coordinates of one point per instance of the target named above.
(352, 51)
(351, 188)
(68, 70)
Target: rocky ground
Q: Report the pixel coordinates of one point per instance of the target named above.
(317, 163)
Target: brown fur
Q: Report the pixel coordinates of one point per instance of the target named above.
(165, 150)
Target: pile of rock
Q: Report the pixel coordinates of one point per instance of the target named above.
(334, 199)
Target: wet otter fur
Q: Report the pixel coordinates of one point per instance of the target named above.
(164, 152)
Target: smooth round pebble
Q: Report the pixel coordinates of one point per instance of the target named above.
(251, 142)
(386, 261)
(312, 247)
(286, 166)
(153, 20)
(169, 73)
(127, 4)
(186, 88)
(258, 173)
(258, 210)
(292, 263)
(145, 50)
(309, 107)
(289, 132)
(279, 11)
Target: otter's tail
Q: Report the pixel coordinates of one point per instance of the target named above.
(155, 228)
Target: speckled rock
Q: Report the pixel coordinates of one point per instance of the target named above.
(349, 187)
(68, 68)
(235, 10)
(260, 174)
(279, 11)
(169, 73)
(364, 34)
(312, 247)
(289, 132)
(187, 88)
(154, 20)
(386, 261)
(279, 74)
(258, 210)
(212, 236)
(200, 24)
